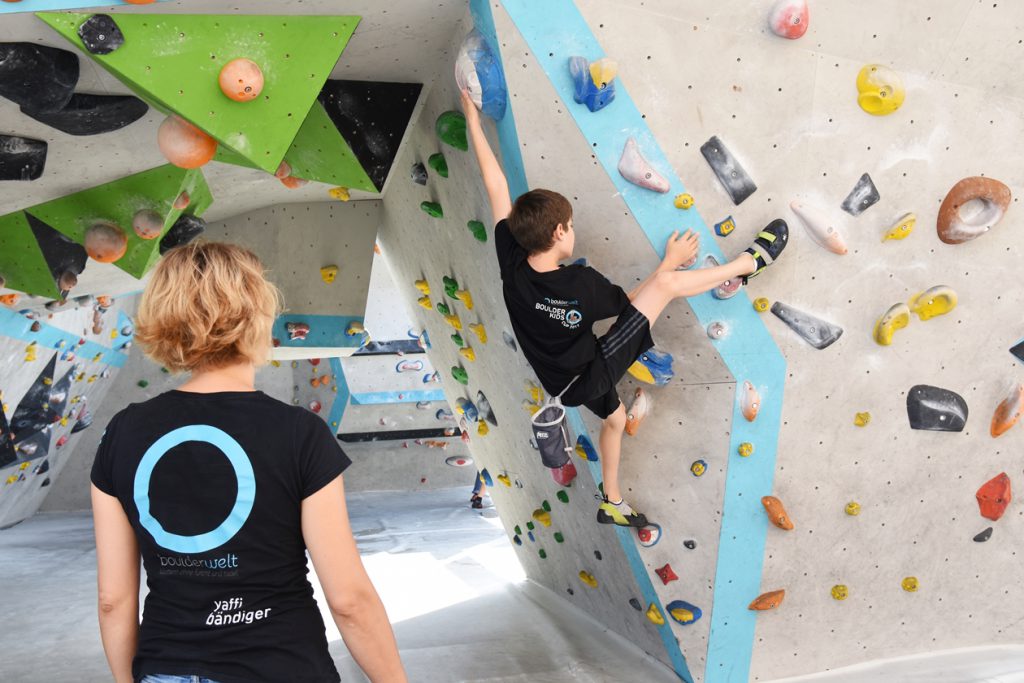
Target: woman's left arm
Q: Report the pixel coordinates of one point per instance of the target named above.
(117, 562)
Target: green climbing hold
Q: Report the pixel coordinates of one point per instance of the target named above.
(529, 525)
(563, 496)
(165, 371)
(451, 128)
(559, 537)
(546, 505)
(543, 555)
(438, 163)
(443, 309)
(460, 374)
(519, 532)
(143, 383)
(457, 338)
(478, 230)
(432, 208)
(451, 286)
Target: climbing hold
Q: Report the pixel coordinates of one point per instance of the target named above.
(354, 329)
(683, 612)
(588, 578)
(21, 158)
(896, 318)
(37, 77)
(852, 508)
(545, 505)
(424, 301)
(820, 228)
(769, 600)
(517, 540)
(328, 273)
(690, 544)
(840, 592)
(698, 468)
(789, 18)
(183, 144)
(315, 406)
(437, 162)
(465, 297)
(443, 309)
(478, 71)
(460, 375)
(409, 366)
(422, 285)
(451, 129)
(727, 168)
(933, 302)
(562, 496)
(444, 415)
(640, 409)
(652, 367)
(418, 173)
(777, 513)
(971, 208)
(465, 407)
(468, 353)
(815, 331)
(1009, 411)
(100, 34)
(745, 449)
(342, 195)
(478, 230)
(862, 419)
(147, 224)
(458, 461)
(559, 538)
(433, 209)
(994, 496)
(654, 615)
(880, 90)
(293, 183)
(296, 331)
(683, 201)
(509, 339)
(717, 330)
(105, 242)
(543, 554)
(638, 170)
(983, 536)
(241, 80)
(143, 383)
(182, 201)
(585, 449)
(649, 535)
(909, 584)
(750, 401)
(635, 604)
(934, 409)
(761, 304)
(727, 289)
(504, 479)
(666, 574)
(724, 227)
(901, 228)
(480, 332)
(454, 321)
(595, 93)
(457, 339)
(863, 195)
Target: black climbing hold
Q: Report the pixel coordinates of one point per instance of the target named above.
(1018, 351)
(7, 454)
(184, 230)
(570, 591)
(372, 117)
(61, 254)
(983, 536)
(483, 406)
(92, 114)
(46, 482)
(635, 604)
(100, 34)
(21, 158)
(730, 173)
(815, 331)
(690, 544)
(42, 468)
(35, 411)
(37, 77)
(597, 554)
(937, 410)
(863, 195)
(419, 174)
(84, 422)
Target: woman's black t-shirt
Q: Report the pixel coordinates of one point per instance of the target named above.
(213, 486)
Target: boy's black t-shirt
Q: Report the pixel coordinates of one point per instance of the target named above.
(213, 485)
(552, 313)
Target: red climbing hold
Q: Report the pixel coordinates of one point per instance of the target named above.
(666, 574)
(564, 474)
(993, 496)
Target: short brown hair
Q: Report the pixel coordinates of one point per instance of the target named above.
(534, 217)
(207, 305)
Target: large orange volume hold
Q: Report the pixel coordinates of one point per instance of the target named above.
(183, 144)
(105, 242)
(769, 600)
(777, 513)
(1008, 411)
(241, 80)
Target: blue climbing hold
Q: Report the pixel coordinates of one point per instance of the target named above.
(486, 476)
(586, 449)
(653, 367)
(478, 72)
(683, 612)
(586, 91)
(518, 540)
(530, 534)
(465, 407)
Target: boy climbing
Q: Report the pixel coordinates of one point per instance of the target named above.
(554, 307)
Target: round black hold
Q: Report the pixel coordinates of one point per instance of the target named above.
(570, 591)
(635, 604)
(983, 536)
(100, 34)
(597, 554)
(690, 544)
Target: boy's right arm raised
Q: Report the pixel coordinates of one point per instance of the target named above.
(494, 178)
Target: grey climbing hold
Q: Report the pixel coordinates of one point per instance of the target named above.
(730, 173)
(92, 114)
(983, 536)
(483, 407)
(419, 174)
(817, 332)
(509, 339)
(935, 409)
(690, 544)
(21, 158)
(100, 34)
(597, 554)
(635, 604)
(863, 195)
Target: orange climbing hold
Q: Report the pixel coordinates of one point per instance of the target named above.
(105, 242)
(1008, 411)
(750, 401)
(241, 80)
(993, 496)
(769, 600)
(183, 144)
(777, 513)
(638, 411)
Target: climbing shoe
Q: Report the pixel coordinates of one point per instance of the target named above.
(767, 246)
(476, 502)
(620, 514)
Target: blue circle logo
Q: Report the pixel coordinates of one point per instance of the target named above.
(573, 317)
(199, 543)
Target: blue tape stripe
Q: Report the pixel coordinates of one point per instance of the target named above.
(380, 397)
(341, 397)
(15, 325)
(327, 331)
(554, 31)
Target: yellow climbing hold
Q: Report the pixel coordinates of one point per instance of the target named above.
(482, 428)
(503, 478)
(761, 304)
(467, 352)
(339, 193)
(424, 301)
(840, 592)
(896, 318)
(479, 331)
(909, 584)
(880, 90)
(465, 297)
(328, 273)
(746, 449)
(682, 615)
(530, 406)
(603, 71)
(933, 302)
(536, 393)
(354, 328)
(903, 227)
(453, 320)
(862, 419)
(543, 516)
(684, 201)
(853, 508)
(654, 614)
(423, 286)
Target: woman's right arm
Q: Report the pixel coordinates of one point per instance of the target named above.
(353, 601)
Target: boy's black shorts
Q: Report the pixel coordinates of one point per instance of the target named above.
(629, 337)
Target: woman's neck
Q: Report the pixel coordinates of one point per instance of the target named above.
(237, 377)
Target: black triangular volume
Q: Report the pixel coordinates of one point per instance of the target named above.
(372, 117)
(87, 114)
(34, 413)
(7, 454)
(1018, 351)
(61, 253)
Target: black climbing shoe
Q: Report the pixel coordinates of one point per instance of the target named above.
(767, 246)
(620, 514)
(476, 502)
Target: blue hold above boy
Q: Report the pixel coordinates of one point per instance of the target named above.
(553, 307)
